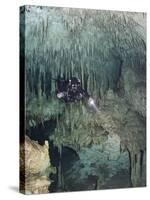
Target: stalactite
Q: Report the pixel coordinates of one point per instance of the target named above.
(82, 74)
(136, 178)
(143, 168)
(60, 168)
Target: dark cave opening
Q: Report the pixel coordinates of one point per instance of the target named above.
(63, 162)
(42, 131)
(68, 157)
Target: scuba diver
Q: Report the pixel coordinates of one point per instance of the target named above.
(72, 91)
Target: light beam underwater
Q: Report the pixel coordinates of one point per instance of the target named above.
(92, 104)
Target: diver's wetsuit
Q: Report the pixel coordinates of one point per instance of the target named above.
(70, 90)
(76, 95)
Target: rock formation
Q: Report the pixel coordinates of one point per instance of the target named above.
(34, 167)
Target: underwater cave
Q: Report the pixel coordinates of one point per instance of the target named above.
(96, 140)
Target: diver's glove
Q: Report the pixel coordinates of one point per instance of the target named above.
(60, 95)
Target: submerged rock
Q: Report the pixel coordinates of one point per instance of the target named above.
(34, 167)
(37, 185)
